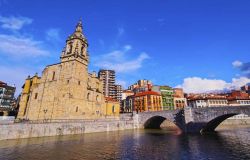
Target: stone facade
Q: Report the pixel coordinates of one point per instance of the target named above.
(112, 107)
(29, 130)
(65, 90)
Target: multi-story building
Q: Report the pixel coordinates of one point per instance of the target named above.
(236, 101)
(110, 89)
(7, 99)
(207, 101)
(167, 96)
(179, 100)
(147, 101)
(65, 90)
(238, 98)
(108, 79)
(118, 92)
(126, 104)
(141, 86)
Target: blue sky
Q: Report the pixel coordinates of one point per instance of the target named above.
(197, 45)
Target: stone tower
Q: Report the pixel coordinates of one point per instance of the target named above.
(76, 47)
(65, 90)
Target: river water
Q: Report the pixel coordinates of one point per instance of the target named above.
(132, 144)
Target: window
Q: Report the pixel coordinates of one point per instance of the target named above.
(113, 109)
(79, 82)
(76, 109)
(88, 96)
(53, 76)
(97, 98)
(36, 94)
(70, 47)
(67, 81)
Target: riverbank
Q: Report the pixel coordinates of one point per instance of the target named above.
(30, 130)
(60, 128)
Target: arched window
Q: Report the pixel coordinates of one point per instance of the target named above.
(88, 96)
(82, 50)
(70, 48)
(97, 98)
(77, 109)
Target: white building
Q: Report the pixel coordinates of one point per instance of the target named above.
(210, 101)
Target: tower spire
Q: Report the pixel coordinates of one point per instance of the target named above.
(79, 26)
(76, 46)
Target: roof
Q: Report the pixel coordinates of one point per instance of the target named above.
(110, 99)
(238, 98)
(146, 93)
(127, 91)
(206, 98)
(2, 83)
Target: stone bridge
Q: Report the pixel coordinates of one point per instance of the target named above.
(191, 119)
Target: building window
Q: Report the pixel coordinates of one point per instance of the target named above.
(36, 94)
(53, 76)
(97, 98)
(79, 82)
(88, 96)
(67, 81)
(113, 109)
(77, 109)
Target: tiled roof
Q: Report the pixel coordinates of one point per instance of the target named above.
(206, 98)
(110, 99)
(146, 93)
(238, 98)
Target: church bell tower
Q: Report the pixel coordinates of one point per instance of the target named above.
(76, 47)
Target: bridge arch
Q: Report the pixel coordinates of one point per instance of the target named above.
(214, 123)
(207, 119)
(155, 122)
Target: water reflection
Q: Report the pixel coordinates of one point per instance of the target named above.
(134, 144)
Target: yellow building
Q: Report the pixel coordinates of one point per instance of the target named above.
(112, 107)
(147, 101)
(65, 90)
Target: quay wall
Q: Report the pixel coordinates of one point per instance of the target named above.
(29, 130)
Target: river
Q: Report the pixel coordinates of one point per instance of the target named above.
(132, 144)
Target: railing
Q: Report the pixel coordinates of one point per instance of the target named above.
(108, 119)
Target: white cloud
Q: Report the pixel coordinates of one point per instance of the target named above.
(238, 82)
(117, 60)
(237, 64)
(199, 85)
(53, 34)
(20, 46)
(14, 23)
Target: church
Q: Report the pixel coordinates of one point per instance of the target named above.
(66, 90)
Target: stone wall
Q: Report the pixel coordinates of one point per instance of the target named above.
(29, 130)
